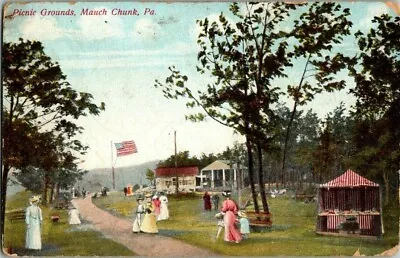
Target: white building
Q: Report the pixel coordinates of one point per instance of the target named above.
(218, 175)
(166, 179)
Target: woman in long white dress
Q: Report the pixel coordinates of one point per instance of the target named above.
(74, 216)
(33, 219)
(139, 216)
(164, 212)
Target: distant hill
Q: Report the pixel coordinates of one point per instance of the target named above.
(97, 178)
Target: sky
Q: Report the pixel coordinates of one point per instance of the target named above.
(117, 58)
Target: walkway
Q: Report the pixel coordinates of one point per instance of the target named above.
(142, 244)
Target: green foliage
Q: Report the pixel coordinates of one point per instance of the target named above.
(335, 150)
(184, 159)
(376, 70)
(150, 176)
(40, 110)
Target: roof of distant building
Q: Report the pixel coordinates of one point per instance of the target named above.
(180, 171)
(218, 165)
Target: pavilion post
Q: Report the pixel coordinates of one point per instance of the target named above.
(212, 179)
(223, 178)
(380, 210)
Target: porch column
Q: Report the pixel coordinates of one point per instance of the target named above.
(223, 178)
(201, 179)
(212, 178)
(234, 177)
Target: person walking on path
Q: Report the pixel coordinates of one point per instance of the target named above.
(139, 215)
(230, 209)
(33, 219)
(215, 201)
(207, 201)
(149, 224)
(164, 212)
(120, 230)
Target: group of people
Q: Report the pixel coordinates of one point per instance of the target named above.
(149, 211)
(207, 198)
(227, 220)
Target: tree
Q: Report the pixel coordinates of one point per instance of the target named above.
(244, 55)
(376, 70)
(39, 109)
(316, 31)
(150, 176)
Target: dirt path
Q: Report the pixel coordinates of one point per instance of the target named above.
(142, 244)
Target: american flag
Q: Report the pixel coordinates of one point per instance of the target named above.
(125, 148)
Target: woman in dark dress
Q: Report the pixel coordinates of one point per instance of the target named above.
(207, 201)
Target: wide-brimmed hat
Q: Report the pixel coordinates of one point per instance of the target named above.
(226, 193)
(139, 198)
(148, 195)
(242, 214)
(34, 199)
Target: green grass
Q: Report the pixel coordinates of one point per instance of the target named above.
(292, 233)
(58, 238)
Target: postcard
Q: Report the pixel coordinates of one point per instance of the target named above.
(200, 128)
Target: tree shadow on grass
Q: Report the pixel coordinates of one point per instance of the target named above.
(273, 228)
(46, 250)
(172, 232)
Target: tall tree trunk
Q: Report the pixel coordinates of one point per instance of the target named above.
(51, 192)
(261, 179)
(45, 187)
(6, 169)
(387, 186)
(251, 173)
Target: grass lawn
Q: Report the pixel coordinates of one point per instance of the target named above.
(58, 238)
(292, 233)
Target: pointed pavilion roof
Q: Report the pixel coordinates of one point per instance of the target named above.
(349, 179)
(218, 165)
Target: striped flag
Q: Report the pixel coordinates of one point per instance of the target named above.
(125, 148)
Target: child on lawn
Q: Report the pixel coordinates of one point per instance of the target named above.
(220, 223)
(244, 224)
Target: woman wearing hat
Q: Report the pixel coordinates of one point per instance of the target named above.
(139, 215)
(230, 209)
(33, 219)
(164, 212)
(149, 224)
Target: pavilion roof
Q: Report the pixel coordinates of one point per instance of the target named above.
(349, 179)
(217, 165)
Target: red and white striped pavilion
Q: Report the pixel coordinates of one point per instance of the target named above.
(349, 195)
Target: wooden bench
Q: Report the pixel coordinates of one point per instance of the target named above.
(260, 219)
(15, 215)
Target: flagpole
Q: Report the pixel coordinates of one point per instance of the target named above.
(112, 166)
(176, 167)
